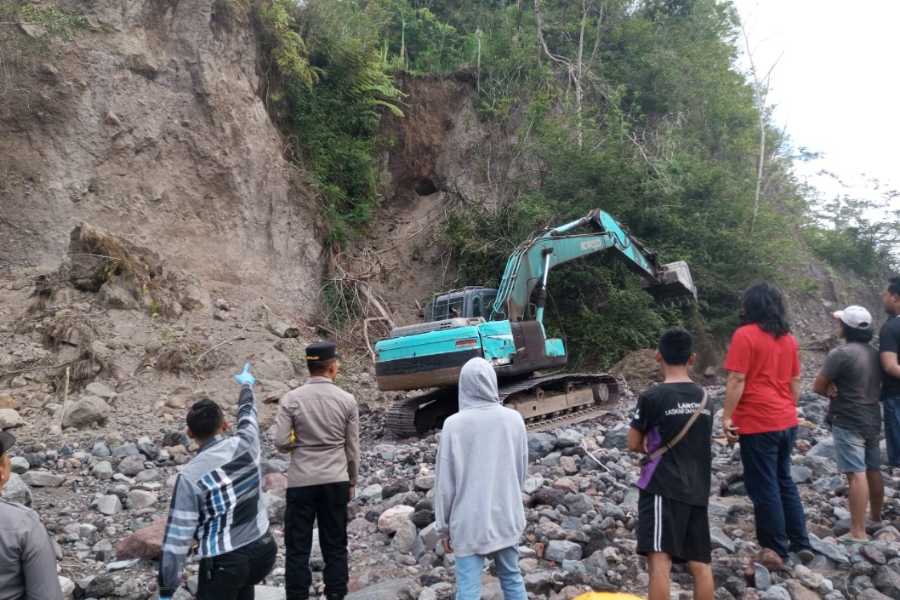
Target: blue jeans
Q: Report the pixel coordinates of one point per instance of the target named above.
(891, 404)
(780, 520)
(468, 575)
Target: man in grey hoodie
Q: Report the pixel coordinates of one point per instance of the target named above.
(481, 465)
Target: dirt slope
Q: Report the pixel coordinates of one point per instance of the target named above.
(147, 123)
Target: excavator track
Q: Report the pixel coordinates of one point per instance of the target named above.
(545, 402)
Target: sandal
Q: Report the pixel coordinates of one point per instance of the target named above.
(847, 539)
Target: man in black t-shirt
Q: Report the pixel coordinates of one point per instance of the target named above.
(889, 346)
(673, 523)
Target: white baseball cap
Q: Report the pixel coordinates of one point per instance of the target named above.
(854, 316)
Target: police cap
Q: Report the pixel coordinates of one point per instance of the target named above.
(321, 351)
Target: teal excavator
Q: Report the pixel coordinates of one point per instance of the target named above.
(506, 327)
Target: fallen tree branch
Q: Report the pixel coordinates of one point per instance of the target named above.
(366, 334)
(39, 367)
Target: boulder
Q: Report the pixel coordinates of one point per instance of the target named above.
(9, 419)
(800, 592)
(568, 438)
(540, 445)
(430, 537)
(16, 490)
(548, 496)
(392, 589)
(394, 489)
(393, 518)
(68, 588)
(579, 504)
(872, 594)
(832, 551)
(776, 592)
(560, 550)
(101, 390)
(87, 411)
(617, 437)
(131, 465)
(424, 483)
(569, 465)
(146, 447)
(720, 540)
(117, 296)
(147, 475)
(405, 537)
(100, 449)
(43, 478)
(109, 505)
(145, 543)
(103, 470)
(887, 581)
(20, 465)
(140, 499)
(422, 518)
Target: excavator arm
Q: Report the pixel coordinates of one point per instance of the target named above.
(529, 265)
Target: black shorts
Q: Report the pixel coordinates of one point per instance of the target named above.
(678, 529)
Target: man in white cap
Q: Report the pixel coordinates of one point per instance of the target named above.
(851, 378)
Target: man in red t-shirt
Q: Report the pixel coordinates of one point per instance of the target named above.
(761, 395)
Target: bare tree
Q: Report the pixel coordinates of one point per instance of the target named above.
(576, 68)
(761, 85)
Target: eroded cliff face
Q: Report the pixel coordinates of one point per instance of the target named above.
(146, 122)
(440, 158)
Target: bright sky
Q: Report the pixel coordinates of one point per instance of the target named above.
(836, 87)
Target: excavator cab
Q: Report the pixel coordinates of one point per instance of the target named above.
(468, 303)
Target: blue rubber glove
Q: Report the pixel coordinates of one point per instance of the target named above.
(244, 377)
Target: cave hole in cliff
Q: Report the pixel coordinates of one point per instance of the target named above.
(425, 186)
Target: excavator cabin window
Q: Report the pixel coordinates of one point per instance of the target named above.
(469, 304)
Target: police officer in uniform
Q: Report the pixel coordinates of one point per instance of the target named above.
(27, 559)
(318, 423)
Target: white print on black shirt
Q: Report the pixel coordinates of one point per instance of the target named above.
(685, 408)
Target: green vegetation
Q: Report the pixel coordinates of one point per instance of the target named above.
(635, 107)
(29, 36)
(54, 21)
(330, 84)
(857, 234)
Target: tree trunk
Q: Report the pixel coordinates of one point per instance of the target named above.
(579, 71)
(759, 168)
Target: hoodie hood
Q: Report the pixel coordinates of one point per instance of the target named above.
(477, 385)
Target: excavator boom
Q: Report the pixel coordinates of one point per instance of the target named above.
(530, 263)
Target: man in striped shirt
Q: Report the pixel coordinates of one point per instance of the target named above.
(218, 504)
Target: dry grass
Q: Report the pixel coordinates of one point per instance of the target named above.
(186, 357)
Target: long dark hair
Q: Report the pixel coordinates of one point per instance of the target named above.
(763, 305)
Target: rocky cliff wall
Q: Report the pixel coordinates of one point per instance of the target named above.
(145, 120)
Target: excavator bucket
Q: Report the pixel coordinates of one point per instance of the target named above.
(674, 285)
